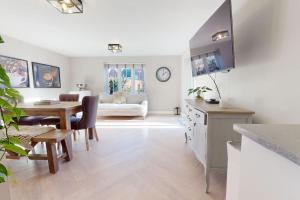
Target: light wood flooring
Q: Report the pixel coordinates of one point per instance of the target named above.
(134, 160)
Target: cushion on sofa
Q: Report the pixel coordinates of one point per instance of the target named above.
(135, 105)
(105, 98)
(111, 109)
(119, 98)
(135, 98)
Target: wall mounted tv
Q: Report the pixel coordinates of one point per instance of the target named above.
(212, 48)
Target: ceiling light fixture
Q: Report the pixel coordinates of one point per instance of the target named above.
(67, 6)
(220, 35)
(115, 48)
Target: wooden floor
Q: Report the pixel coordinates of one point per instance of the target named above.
(134, 160)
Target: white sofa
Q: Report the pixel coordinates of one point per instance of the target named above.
(135, 105)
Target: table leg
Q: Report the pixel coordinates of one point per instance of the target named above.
(206, 180)
(52, 158)
(65, 121)
(91, 133)
(67, 147)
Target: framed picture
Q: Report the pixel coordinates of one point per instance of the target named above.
(17, 70)
(198, 65)
(45, 76)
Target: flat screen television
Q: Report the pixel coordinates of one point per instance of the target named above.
(212, 48)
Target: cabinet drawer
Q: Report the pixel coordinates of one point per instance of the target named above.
(189, 133)
(200, 117)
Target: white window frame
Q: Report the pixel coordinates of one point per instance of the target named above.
(119, 67)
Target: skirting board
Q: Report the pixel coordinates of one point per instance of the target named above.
(161, 112)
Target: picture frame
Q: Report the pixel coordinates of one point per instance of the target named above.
(17, 70)
(46, 76)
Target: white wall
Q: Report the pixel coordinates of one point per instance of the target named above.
(18, 49)
(163, 97)
(266, 77)
(186, 77)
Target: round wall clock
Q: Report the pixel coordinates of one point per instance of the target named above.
(163, 74)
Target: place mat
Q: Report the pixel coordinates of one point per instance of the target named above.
(46, 102)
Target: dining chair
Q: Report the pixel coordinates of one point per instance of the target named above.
(28, 120)
(88, 119)
(56, 120)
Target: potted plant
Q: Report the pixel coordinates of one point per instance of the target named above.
(199, 91)
(8, 113)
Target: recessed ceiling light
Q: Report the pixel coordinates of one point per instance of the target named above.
(115, 48)
(67, 6)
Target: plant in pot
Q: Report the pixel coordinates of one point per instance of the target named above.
(199, 91)
(8, 113)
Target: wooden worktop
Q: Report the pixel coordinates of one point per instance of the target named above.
(215, 108)
(60, 106)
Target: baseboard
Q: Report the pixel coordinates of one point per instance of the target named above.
(157, 112)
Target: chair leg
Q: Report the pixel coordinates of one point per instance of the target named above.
(87, 140)
(58, 146)
(74, 135)
(96, 134)
(42, 145)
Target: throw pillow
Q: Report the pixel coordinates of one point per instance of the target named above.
(118, 98)
(106, 98)
(135, 98)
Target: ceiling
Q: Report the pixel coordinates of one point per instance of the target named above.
(143, 27)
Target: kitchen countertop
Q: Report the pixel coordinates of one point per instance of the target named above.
(283, 139)
(215, 108)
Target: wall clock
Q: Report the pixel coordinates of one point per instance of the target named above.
(163, 74)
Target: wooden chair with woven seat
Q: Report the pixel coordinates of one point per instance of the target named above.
(88, 119)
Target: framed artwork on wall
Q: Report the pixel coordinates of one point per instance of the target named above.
(45, 76)
(17, 70)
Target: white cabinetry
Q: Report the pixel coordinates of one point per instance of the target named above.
(269, 163)
(200, 136)
(208, 129)
(233, 171)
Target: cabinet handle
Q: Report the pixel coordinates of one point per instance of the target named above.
(189, 128)
(190, 110)
(197, 115)
(190, 119)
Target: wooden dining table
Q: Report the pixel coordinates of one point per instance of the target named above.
(62, 109)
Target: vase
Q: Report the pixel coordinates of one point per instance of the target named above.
(222, 103)
(4, 191)
(200, 98)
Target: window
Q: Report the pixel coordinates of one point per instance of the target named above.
(128, 78)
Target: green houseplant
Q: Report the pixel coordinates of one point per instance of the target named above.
(8, 114)
(199, 91)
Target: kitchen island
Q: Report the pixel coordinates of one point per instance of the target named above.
(269, 162)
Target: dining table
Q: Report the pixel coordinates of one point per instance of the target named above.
(63, 109)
